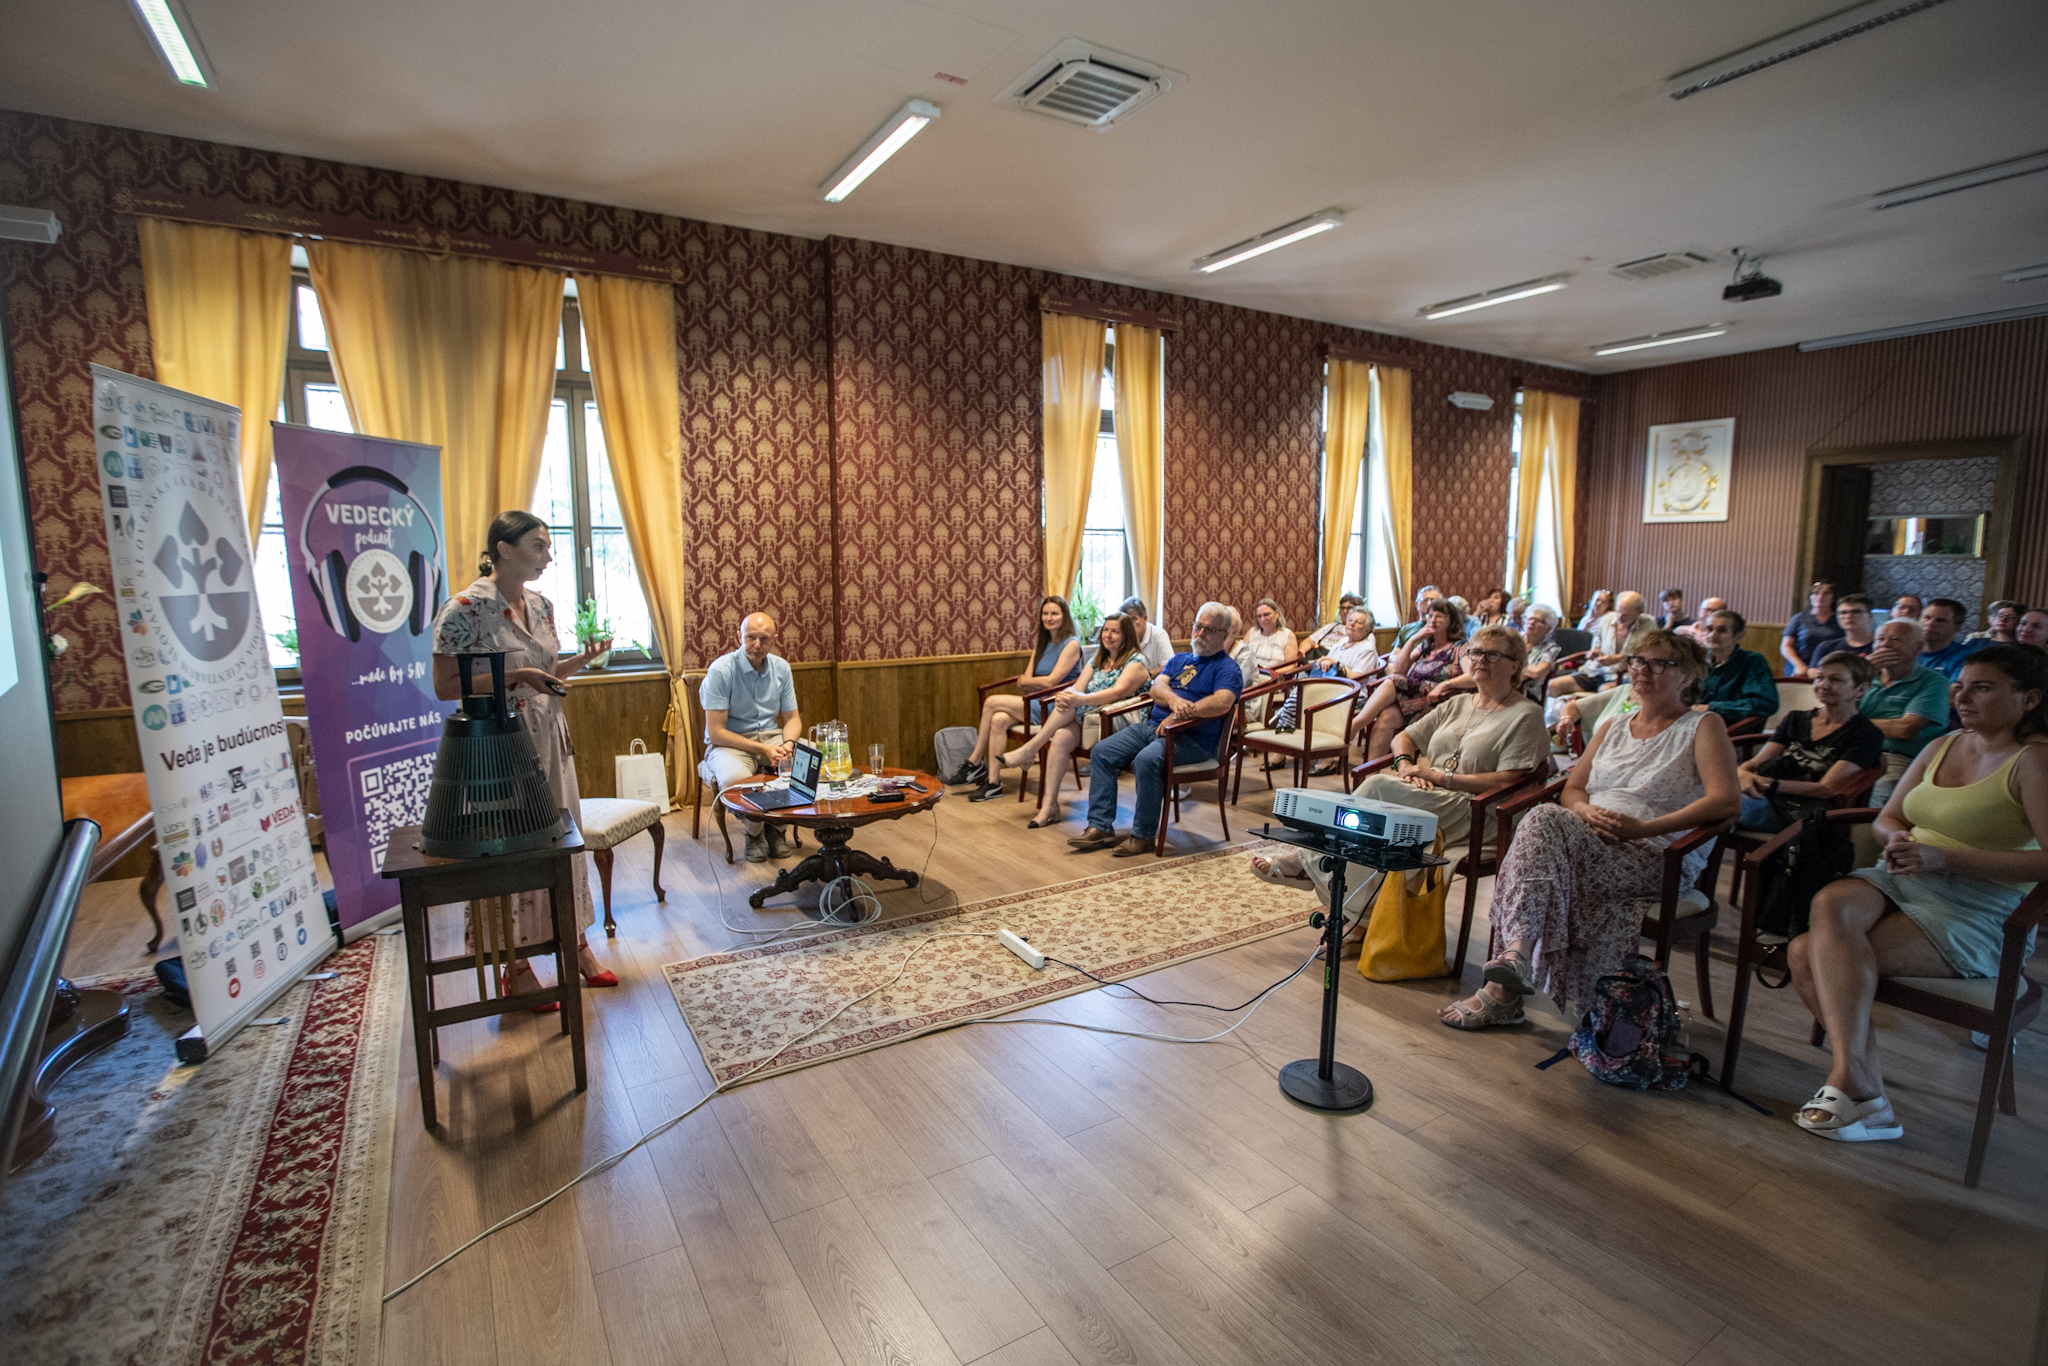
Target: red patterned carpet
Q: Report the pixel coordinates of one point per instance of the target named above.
(232, 1212)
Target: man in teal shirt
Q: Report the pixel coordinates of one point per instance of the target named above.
(1738, 684)
(1908, 702)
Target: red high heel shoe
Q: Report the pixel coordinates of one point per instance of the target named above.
(606, 978)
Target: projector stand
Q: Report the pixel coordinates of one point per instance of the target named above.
(1321, 1082)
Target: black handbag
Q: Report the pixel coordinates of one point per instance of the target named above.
(1822, 853)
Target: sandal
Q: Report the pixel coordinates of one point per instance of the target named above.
(1491, 1012)
(1513, 971)
(1264, 871)
(1831, 1114)
(1054, 819)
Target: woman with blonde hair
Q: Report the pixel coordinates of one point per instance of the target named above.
(1116, 672)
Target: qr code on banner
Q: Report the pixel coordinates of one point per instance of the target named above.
(393, 795)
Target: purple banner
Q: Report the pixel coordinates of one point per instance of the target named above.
(362, 525)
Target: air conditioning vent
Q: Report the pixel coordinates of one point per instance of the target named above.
(1662, 264)
(1088, 85)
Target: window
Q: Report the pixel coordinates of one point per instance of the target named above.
(1377, 584)
(1539, 583)
(1105, 572)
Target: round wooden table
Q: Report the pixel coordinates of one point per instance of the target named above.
(834, 823)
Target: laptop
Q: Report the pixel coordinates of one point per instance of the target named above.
(804, 768)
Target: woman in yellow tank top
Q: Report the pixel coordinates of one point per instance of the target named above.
(1963, 836)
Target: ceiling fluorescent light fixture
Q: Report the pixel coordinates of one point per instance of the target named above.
(1615, 348)
(905, 124)
(1965, 180)
(1268, 241)
(1800, 41)
(2013, 277)
(170, 29)
(1505, 294)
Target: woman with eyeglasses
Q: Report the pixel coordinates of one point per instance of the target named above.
(1473, 742)
(1420, 675)
(1566, 902)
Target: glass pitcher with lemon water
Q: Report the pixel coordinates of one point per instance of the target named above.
(837, 753)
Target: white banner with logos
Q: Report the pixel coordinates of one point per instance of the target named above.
(231, 830)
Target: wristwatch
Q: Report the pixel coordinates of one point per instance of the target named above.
(1775, 782)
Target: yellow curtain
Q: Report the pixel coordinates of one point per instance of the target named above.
(1397, 454)
(629, 327)
(219, 301)
(1072, 351)
(1561, 473)
(1536, 420)
(1141, 452)
(1347, 388)
(449, 352)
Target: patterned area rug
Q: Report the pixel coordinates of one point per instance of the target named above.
(744, 1005)
(229, 1212)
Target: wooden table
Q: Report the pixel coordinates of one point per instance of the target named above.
(834, 823)
(119, 804)
(425, 881)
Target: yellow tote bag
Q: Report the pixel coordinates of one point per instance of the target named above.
(1405, 937)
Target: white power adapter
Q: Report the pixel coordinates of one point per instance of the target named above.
(1019, 945)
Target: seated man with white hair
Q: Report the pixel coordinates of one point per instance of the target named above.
(1200, 685)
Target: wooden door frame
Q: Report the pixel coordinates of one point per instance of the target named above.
(1998, 545)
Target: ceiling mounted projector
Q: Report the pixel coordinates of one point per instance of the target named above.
(1750, 280)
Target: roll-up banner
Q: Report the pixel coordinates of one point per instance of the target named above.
(231, 831)
(362, 525)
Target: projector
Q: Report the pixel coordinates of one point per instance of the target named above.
(1755, 287)
(1362, 818)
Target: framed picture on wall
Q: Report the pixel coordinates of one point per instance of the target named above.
(1685, 478)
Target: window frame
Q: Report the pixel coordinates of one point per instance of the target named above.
(1107, 428)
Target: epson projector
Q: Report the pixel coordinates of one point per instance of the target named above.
(1359, 817)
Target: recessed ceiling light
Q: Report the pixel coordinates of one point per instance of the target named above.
(1615, 348)
(1505, 294)
(1267, 241)
(1786, 46)
(170, 29)
(2013, 277)
(905, 124)
(1962, 180)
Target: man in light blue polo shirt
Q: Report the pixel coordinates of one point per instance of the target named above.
(750, 721)
(1908, 702)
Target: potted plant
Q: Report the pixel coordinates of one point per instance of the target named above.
(591, 627)
(1087, 610)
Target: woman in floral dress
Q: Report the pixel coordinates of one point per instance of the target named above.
(499, 614)
(1417, 678)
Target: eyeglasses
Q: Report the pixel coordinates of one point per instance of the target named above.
(1489, 656)
(1649, 664)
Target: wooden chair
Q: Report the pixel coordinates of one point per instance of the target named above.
(693, 681)
(1572, 640)
(1216, 770)
(1999, 1006)
(606, 823)
(1332, 701)
(1022, 729)
(1680, 913)
(1743, 838)
(1794, 694)
(1476, 860)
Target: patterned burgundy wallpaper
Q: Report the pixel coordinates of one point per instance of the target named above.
(920, 540)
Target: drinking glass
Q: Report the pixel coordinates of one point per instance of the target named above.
(875, 760)
(782, 766)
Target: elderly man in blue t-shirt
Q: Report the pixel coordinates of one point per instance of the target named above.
(1197, 688)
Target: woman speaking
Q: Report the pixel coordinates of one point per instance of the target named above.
(499, 614)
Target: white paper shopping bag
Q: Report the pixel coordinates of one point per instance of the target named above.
(640, 776)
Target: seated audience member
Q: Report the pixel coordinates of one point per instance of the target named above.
(1908, 702)
(1239, 648)
(1199, 685)
(1738, 684)
(1814, 756)
(1614, 637)
(1568, 901)
(1424, 596)
(2001, 623)
(1673, 615)
(1350, 655)
(1812, 633)
(1475, 741)
(1056, 662)
(1115, 671)
(1852, 614)
(1491, 611)
(1598, 606)
(1464, 610)
(1415, 679)
(1944, 649)
(1332, 631)
(1155, 646)
(2033, 628)
(1698, 629)
(750, 721)
(1906, 607)
(1518, 613)
(1272, 643)
(1539, 634)
(1963, 836)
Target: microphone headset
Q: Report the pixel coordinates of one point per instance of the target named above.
(328, 577)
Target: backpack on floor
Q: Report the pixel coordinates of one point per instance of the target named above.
(1632, 1034)
(953, 744)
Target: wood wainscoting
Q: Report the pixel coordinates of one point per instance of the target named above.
(902, 703)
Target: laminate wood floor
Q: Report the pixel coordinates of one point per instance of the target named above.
(1022, 1195)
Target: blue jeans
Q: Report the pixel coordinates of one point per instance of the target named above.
(1139, 748)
